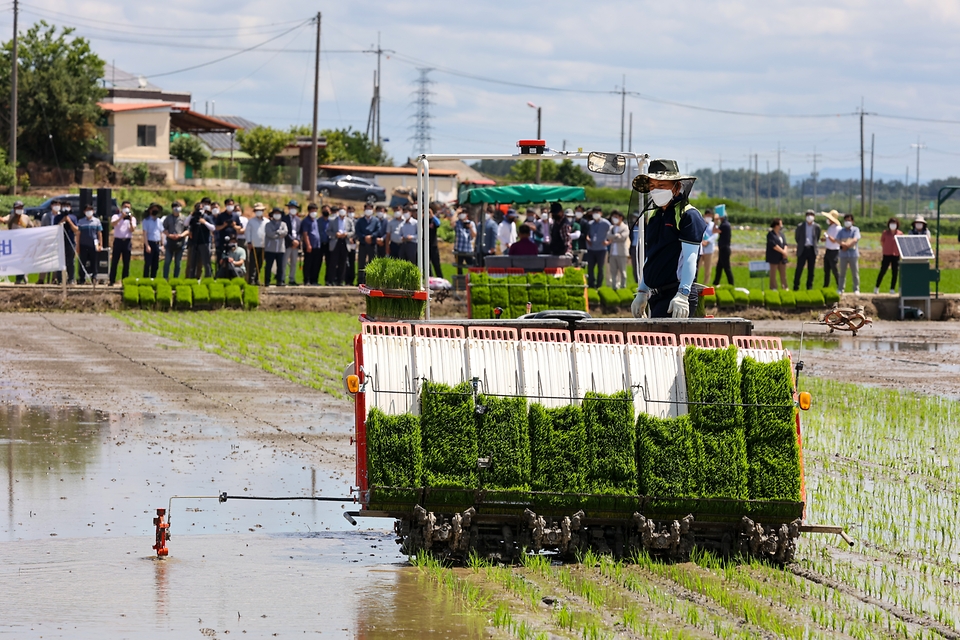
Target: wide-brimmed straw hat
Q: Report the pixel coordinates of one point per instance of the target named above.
(920, 219)
(832, 216)
(660, 170)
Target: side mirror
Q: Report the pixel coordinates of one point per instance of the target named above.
(611, 164)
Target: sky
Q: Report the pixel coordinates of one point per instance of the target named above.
(802, 69)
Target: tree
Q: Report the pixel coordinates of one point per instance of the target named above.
(346, 146)
(526, 171)
(573, 175)
(58, 86)
(263, 144)
(190, 150)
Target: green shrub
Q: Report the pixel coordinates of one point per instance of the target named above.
(164, 297)
(772, 299)
(612, 442)
(537, 308)
(558, 449)
(771, 436)
(449, 435)
(394, 451)
(788, 299)
(669, 457)
(608, 298)
(131, 295)
(479, 295)
(626, 296)
(713, 388)
(504, 436)
(184, 299)
(830, 296)
(148, 297)
(218, 294)
(233, 296)
(755, 299)
(251, 296)
(593, 298)
(740, 298)
(201, 295)
(725, 298)
(816, 298)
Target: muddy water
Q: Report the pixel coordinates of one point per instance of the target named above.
(80, 489)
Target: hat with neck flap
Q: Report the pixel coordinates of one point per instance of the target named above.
(663, 170)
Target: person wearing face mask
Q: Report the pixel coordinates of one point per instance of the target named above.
(891, 255)
(393, 233)
(174, 234)
(488, 241)
(672, 238)
(292, 257)
(200, 229)
(274, 249)
(919, 227)
(543, 231)
(310, 241)
(560, 242)
(433, 224)
(849, 239)
(323, 223)
(580, 244)
(255, 238)
(618, 240)
(831, 255)
(90, 239)
(380, 240)
(340, 230)
(17, 219)
(70, 238)
(707, 245)
(724, 237)
(596, 247)
(46, 220)
(408, 238)
(507, 231)
(152, 234)
(807, 235)
(124, 223)
(464, 234)
(366, 229)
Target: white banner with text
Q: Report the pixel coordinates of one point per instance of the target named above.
(38, 250)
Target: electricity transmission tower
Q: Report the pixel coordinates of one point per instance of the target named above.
(421, 126)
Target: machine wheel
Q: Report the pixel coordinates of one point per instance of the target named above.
(371, 199)
(325, 193)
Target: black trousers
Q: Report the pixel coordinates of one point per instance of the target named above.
(70, 256)
(894, 263)
(435, 261)
(339, 262)
(175, 255)
(831, 257)
(723, 266)
(198, 256)
(151, 260)
(408, 252)
(659, 302)
(808, 258)
(272, 258)
(395, 250)
(463, 259)
(595, 261)
(382, 250)
(350, 271)
(367, 253)
(121, 249)
(88, 261)
(254, 264)
(312, 261)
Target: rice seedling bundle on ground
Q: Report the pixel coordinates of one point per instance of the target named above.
(816, 298)
(164, 296)
(830, 296)
(184, 296)
(611, 437)
(772, 299)
(251, 296)
(771, 436)
(504, 436)
(593, 298)
(394, 450)
(788, 299)
(755, 299)
(725, 298)
(218, 294)
(131, 295)
(713, 389)
(559, 450)
(449, 435)
(740, 298)
(390, 273)
(608, 298)
(233, 296)
(148, 297)
(626, 297)
(669, 457)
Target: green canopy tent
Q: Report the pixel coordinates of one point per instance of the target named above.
(525, 193)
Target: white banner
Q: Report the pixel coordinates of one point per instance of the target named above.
(38, 250)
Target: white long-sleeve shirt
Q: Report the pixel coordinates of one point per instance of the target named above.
(506, 235)
(254, 233)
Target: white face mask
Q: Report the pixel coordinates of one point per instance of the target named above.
(809, 219)
(276, 216)
(215, 211)
(126, 210)
(462, 216)
(597, 216)
(229, 208)
(615, 221)
(544, 217)
(55, 208)
(918, 226)
(292, 211)
(368, 212)
(406, 216)
(176, 211)
(488, 216)
(66, 209)
(18, 211)
(661, 197)
(206, 208)
(848, 223)
(381, 214)
(342, 213)
(313, 214)
(258, 213)
(351, 214)
(578, 214)
(892, 226)
(89, 214)
(397, 215)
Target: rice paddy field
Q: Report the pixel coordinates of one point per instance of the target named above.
(882, 463)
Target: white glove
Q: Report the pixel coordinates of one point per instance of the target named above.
(639, 305)
(679, 306)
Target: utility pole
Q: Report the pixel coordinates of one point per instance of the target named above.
(767, 197)
(539, 112)
(815, 156)
(630, 149)
(779, 178)
(756, 181)
(13, 99)
(314, 144)
(862, 192)
(374, 119)
(919, 146)
(623, 109)
(721, 175)
(871, 174)
(903, 192)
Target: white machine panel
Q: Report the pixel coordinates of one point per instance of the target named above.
(387, 364)
(600, 367)
(765, 356)
(659, 372)
(440, 359)
(547, 370)
(496, 363)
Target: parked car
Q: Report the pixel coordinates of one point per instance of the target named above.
(351, 188)
(73, 198)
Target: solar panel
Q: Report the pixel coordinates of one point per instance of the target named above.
(914, 248)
